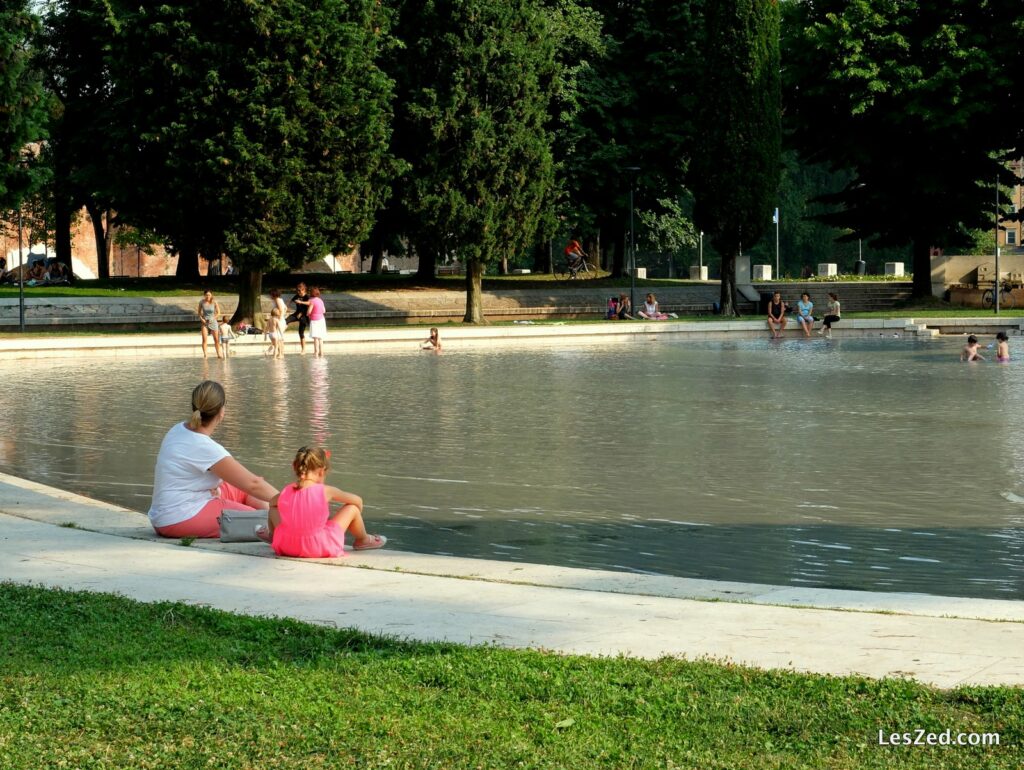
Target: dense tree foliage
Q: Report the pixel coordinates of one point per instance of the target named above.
(912, 98)
(259, 131)
(637, 105)
(737, 156)
(22, 102)
(265, 130)
(75, 49)
(475, 81)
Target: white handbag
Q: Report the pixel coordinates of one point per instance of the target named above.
(241, 526)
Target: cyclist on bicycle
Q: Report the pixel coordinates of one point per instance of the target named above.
(574, 254)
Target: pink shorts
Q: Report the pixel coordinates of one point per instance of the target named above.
(204, 523)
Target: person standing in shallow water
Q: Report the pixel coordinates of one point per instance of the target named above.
(317, 321)
(301, 301)
(209, 312)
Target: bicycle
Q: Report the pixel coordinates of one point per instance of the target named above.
(1005, 297)
(578, 267)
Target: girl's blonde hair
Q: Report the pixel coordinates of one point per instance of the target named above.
(311, 458)
(207, 401)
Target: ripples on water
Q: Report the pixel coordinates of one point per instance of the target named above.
(864, 464)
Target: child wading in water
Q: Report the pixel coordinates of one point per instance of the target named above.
(1002, 348)
(226, 335)
(433, 343)
(300, 521)
(970, 351)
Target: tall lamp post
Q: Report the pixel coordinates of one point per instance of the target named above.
(632, 240)
(21, 277)
(999, 286)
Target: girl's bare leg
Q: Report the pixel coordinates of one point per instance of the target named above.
(204, 339)
(216, 343)
(351, 520)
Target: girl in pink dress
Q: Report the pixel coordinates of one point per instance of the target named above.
(300, 521)
(317, 321)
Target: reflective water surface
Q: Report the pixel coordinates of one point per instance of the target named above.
(868, 464)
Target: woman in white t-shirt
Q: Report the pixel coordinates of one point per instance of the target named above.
(196, 478)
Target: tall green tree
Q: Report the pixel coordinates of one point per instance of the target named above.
(259, 131)
(737, 159)
(477, 78)
(910, 97)
(22, 101)
(75, 46)
(638, 102)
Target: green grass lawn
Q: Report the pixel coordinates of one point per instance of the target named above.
(96, 681)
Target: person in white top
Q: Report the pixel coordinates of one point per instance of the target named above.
(196, 478)
(651, 311)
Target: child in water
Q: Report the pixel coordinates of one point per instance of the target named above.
(434, 341)
(275, 333)
(970, 351)
(1002, 348)
(226, 335)
(300, 522)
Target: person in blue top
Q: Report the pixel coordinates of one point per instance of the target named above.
(804, 308)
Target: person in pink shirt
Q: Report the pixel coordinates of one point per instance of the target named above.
(317, 321)
(300, 521)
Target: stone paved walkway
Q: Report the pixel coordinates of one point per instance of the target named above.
(122, 557)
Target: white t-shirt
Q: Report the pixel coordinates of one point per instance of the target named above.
(183, 482)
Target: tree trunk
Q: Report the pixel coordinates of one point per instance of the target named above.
(428, 262)
(188, 262)
(376, 260)
(62, 228)
(620, 249)
(503, 265)
(727, 297)
(592, 246)
(921, 262)
(250, 287)
(103, 240)
(542, 257)
(474, 292)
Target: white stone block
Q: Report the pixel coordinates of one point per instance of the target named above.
(827, 269)
(894, 268)
(641, 272)
(762, 272)
(698, 273)
(520, 271)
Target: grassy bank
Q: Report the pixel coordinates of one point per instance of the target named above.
(93, 681)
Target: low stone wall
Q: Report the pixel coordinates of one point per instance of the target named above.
(403, 306)
(434, 305)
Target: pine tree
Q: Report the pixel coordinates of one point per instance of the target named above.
(736, 163)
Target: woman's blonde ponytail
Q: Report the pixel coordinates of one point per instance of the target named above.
(207, 401)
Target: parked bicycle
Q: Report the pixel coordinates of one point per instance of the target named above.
(988, 297)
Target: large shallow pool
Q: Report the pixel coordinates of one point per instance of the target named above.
(867, 464)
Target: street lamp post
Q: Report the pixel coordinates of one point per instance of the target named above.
(21, 277)
(999, 286)
(632, 241)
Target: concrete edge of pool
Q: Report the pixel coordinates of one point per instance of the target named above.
(59, 539)
(27, 499)
(186, 344)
